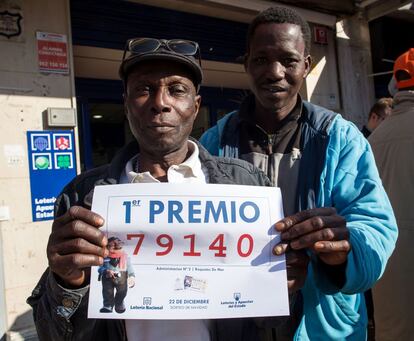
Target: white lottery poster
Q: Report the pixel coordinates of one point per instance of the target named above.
(188, 251)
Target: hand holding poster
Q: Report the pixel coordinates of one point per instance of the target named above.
(188, 252)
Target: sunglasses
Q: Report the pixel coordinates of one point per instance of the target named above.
(137, 46)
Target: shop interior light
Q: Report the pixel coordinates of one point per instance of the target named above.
(97, 117)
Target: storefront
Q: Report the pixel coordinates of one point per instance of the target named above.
(99, 36)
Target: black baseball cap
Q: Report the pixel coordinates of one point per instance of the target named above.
(179, 51)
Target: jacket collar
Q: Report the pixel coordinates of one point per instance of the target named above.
(209, 162)
(247, 108)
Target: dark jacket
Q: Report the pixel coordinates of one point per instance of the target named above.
(60, 314)
(365, 132)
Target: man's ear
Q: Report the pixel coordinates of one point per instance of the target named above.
(308, 65)
(197, 105)
(124, 96)
(375, 116)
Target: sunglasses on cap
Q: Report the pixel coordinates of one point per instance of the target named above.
(137, 46)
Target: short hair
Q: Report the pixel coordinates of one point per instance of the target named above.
(113, 239)
(380, 106)
(280, 15)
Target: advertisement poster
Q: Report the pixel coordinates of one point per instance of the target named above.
(188, 251)
(52, 165)
(52, 51)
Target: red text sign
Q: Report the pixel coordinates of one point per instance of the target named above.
(52, 52)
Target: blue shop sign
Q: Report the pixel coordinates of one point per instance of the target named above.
(52, 165)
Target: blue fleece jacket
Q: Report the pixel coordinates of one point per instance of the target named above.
(347, 180)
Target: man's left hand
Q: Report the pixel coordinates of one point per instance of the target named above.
(321, 230)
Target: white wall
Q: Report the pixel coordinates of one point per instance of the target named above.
(322, 82)
(24, 95)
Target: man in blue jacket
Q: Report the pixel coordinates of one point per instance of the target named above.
(335, 206)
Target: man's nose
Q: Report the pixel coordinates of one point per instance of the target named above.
(161, 101)
(276, 71)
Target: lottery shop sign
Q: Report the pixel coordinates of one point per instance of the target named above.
(52, 164)
(52, 51)
(197, 251)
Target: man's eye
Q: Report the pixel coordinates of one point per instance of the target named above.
(142, 90)
(178, 90)
(259, 60)
(290, 61)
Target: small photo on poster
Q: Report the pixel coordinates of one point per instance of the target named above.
(116, 275)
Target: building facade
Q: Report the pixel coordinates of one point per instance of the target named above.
(58, 75)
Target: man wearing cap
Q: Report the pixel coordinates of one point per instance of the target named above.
(161, 79)
(393, 146)
(335, 206)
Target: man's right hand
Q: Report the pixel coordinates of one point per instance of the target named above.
(76, 244)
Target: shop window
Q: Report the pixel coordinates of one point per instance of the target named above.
(108, 131)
